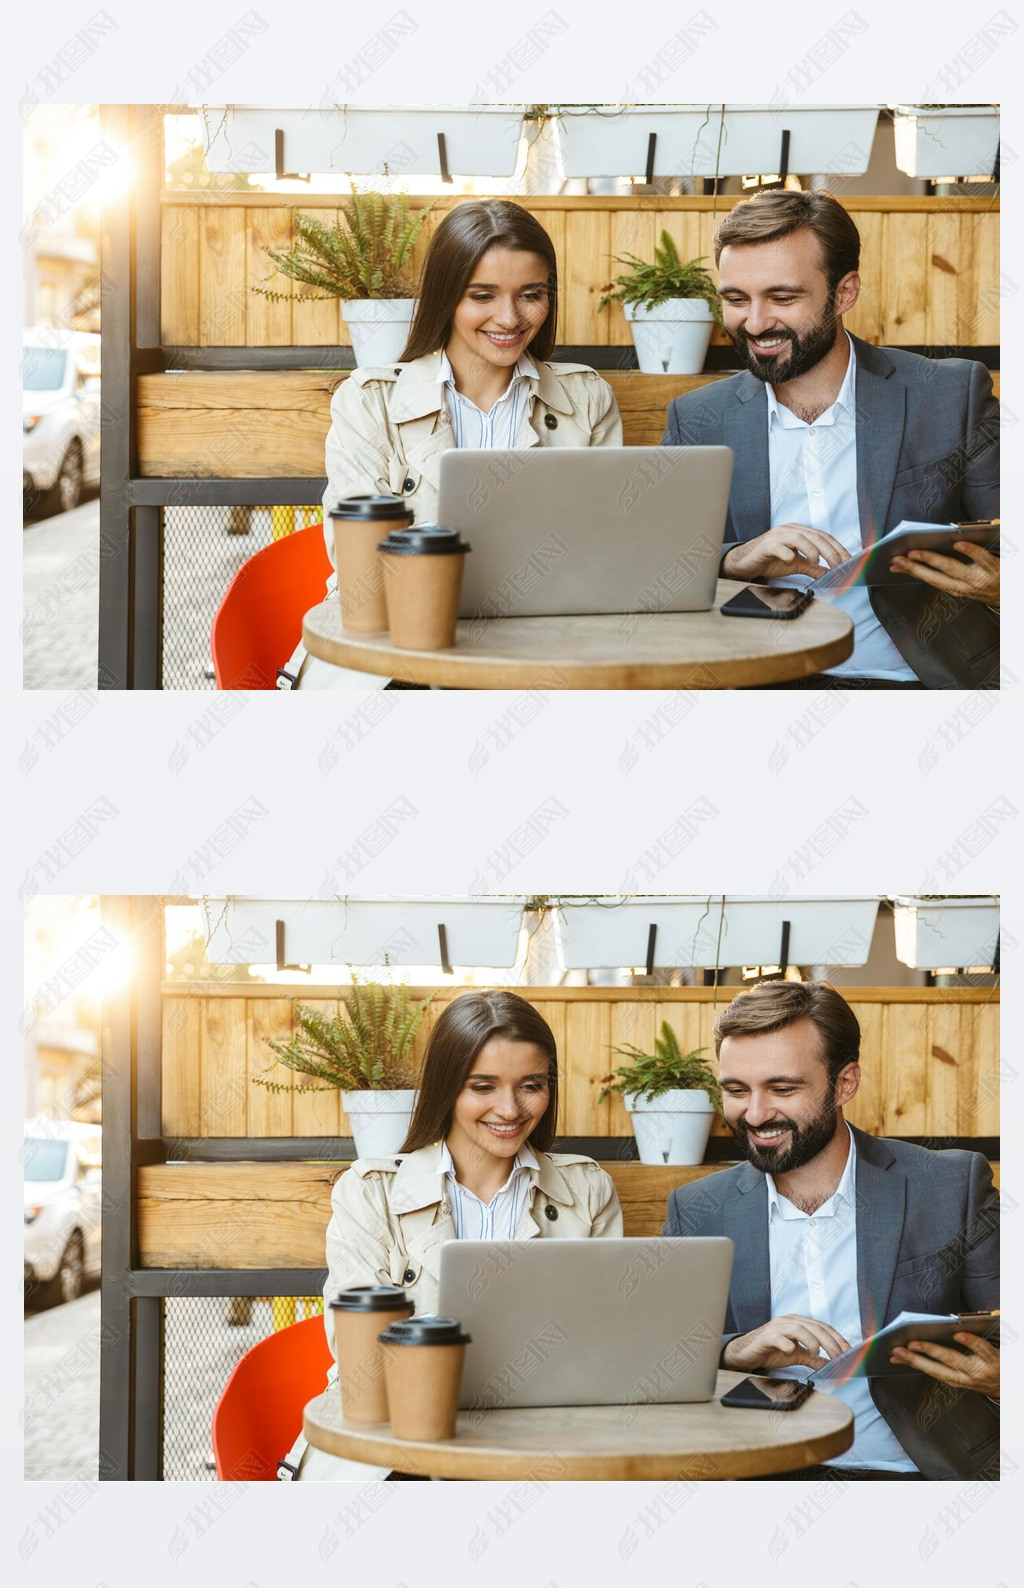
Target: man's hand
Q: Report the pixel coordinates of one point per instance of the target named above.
(790, 1341)
(977, 1371)
(978, 581)
(789, 548)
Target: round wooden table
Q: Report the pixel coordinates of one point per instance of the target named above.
(699, 1440)
(656, 650)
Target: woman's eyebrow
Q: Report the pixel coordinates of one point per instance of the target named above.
(493, 285)
(536, 1075)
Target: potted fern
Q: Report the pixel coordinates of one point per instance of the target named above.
(672, 307)
(364, 258)
(671, 1096)
(366, 1053)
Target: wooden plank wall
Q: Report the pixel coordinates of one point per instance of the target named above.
(930, 266)
(930, 1058)
(273, 1215)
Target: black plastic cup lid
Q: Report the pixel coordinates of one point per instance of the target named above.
(371, 1298)
(424, 1331)
(371, 507)
(422, 539)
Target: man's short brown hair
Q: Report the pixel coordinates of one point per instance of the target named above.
(773, 1005)
(769, 216)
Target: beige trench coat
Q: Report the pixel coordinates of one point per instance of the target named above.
(390, 1219)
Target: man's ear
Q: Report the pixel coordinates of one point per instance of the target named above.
(847, 292)
(847, 1082)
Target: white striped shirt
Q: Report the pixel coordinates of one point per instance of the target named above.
(498, 1219)
(471, 427)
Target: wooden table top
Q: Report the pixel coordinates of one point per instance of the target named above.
(699, 1440)
(657, 650)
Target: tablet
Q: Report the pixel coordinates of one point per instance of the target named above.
(872, 1358)
(924, 537)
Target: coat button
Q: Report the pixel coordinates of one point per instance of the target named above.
(408, 1276)
(398, 371)
(550, 1212)
(398, 1163)
(551, 421)
(409, 485)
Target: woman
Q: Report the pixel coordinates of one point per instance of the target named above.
(474, 373)
(474, 1165)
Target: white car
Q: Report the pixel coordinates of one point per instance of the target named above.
(63, 1193)
(61, 418)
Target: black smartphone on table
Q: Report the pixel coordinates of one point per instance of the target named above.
(764, 601)
(768, 1394)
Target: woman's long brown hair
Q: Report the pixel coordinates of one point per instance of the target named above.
(466, 232)
(462, 1029)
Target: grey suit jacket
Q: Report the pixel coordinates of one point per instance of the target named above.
(927, 449)
(927, 1241)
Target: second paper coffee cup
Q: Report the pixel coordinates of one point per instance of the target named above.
(359, 522)
(360, 1314)
(423, 1365)
(422, 585)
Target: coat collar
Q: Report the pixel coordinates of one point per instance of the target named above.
(418, 1182)
(418, 392)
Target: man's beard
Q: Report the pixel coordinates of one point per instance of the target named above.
(805, 351)
(804, 1143)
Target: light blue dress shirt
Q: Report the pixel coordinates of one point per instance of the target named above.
(813, 471)
(498, 1219)
(471, 427)
(813, 1260)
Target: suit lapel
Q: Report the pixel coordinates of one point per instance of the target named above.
(745, 1217)
(881, 411)
(745, 430)
(881, 1204)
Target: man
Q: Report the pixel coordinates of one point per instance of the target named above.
(837, 1232)
(836, 441)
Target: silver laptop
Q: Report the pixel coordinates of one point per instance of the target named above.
(558, 530)
(588, 1322)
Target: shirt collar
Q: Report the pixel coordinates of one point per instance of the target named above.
(524, 1160)
(524, 369)
(846, 398)
(845, 1191)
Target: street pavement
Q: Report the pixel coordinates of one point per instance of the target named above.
(61, 599)
(61, 1415)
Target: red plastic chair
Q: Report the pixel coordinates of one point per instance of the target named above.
(259, 1415)
(259, 622)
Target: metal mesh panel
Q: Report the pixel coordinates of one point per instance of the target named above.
(204, 1337)
(204, 547)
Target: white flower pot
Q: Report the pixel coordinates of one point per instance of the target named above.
(670, 338)
(379, 328)
(672, 1128)
(954, 141)
(242, 931)
(393, 141)
(701, 142)
(938, 934)
(379, 1120)
(712, 930)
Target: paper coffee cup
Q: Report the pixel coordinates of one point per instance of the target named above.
(359, 1315)
(423, 584)
(359, 522)
(423, 1366)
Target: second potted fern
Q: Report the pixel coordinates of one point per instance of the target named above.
(672, 1098)
(672, 307)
